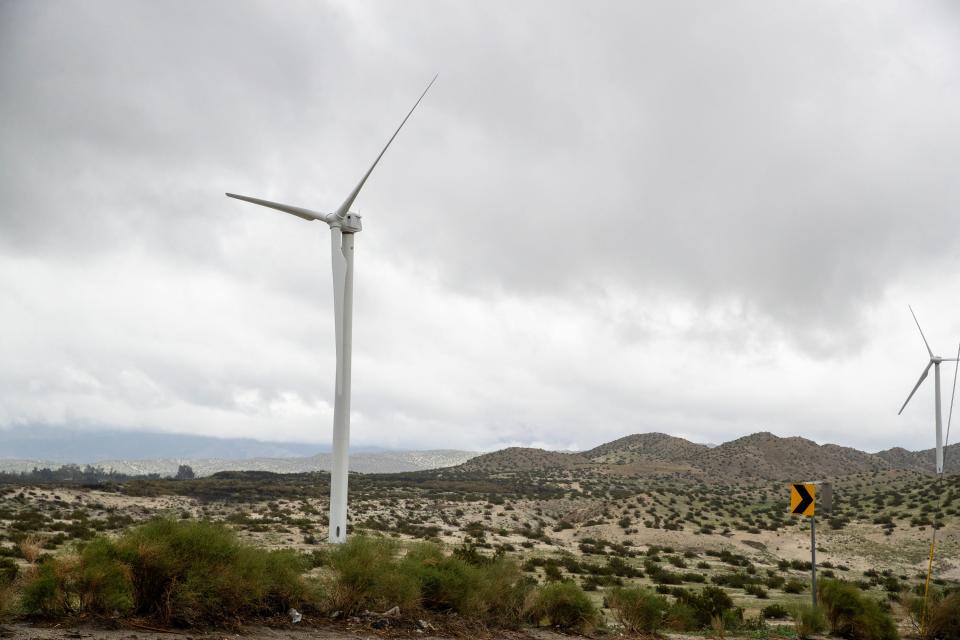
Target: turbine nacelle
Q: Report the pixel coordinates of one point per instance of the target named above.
(350, 223)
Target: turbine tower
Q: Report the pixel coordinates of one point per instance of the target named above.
(344, 224)
(938, 414)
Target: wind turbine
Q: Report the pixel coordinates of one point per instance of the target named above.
(935, 363)
(344, 224)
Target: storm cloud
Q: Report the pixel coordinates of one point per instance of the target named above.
(691, 217)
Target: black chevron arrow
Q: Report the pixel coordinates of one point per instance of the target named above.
(805, 498)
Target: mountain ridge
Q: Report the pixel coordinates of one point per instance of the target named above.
(759, 456)
(361, 462)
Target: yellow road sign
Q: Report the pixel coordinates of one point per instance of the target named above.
(803, 499)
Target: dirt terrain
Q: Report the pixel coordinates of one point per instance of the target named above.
(86, 632)
(622, 520)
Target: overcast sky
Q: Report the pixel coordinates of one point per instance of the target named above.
(700, 218)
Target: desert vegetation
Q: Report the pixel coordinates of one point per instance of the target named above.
(576, 545)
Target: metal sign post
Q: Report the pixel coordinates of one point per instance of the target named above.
(813, 559)
(804, 501)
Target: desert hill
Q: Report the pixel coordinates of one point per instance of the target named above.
(646, 447)
(524, 459)
(759, 456)
(923, 461)
(764, 455)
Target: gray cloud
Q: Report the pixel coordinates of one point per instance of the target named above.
(673, 216)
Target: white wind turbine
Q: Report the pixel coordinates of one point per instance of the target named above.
(343, 225)
(935, 363)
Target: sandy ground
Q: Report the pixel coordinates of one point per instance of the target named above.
(85, 632)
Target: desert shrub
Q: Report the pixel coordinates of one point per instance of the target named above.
(774, 611)
(8, 571)
(794, 586)
(590, 583)
(94, 581)
(807, 620)
(7, 601)
(199, 572)
(775, 582)
(48, 592)
(367, 576)
(681, 617)
(102, 580)
(8, 575)
(735, 580)
(756, 590)
(943, 616)
(874, 623)
(853, 615)
(564, 605)
(505, 592)
(707, 605)
(552, 573)
(729, 619)
(620, 568)
(638, 609)
(492, 590)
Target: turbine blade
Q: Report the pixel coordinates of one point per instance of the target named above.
(923, 376)
(921, 331)
(342, 211)
(300, 212)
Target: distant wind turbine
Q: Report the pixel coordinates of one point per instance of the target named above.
(935, 363)
(344, 224)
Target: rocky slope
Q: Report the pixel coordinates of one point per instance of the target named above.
(923, 461)
(759, 456)
(766, 456)
(524, 459)
(646, 447)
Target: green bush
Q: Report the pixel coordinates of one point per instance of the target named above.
(199, 572)
(943, 617)
(367, 576)
(681, 617)
(774, 611)
(853, 615)
(47, 592)
(873, 623)
(564, 605)
(552, 573)
(8, 571)
(756, 590)
(505, 592)
(92, 582)
(8, 576)
(794, 586)
(808, 620)
(102, 581)
(178, 572)
(709, 605)
(638, 609)
(491, 590)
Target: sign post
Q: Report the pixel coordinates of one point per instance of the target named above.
(813, 560)
(803, 502)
